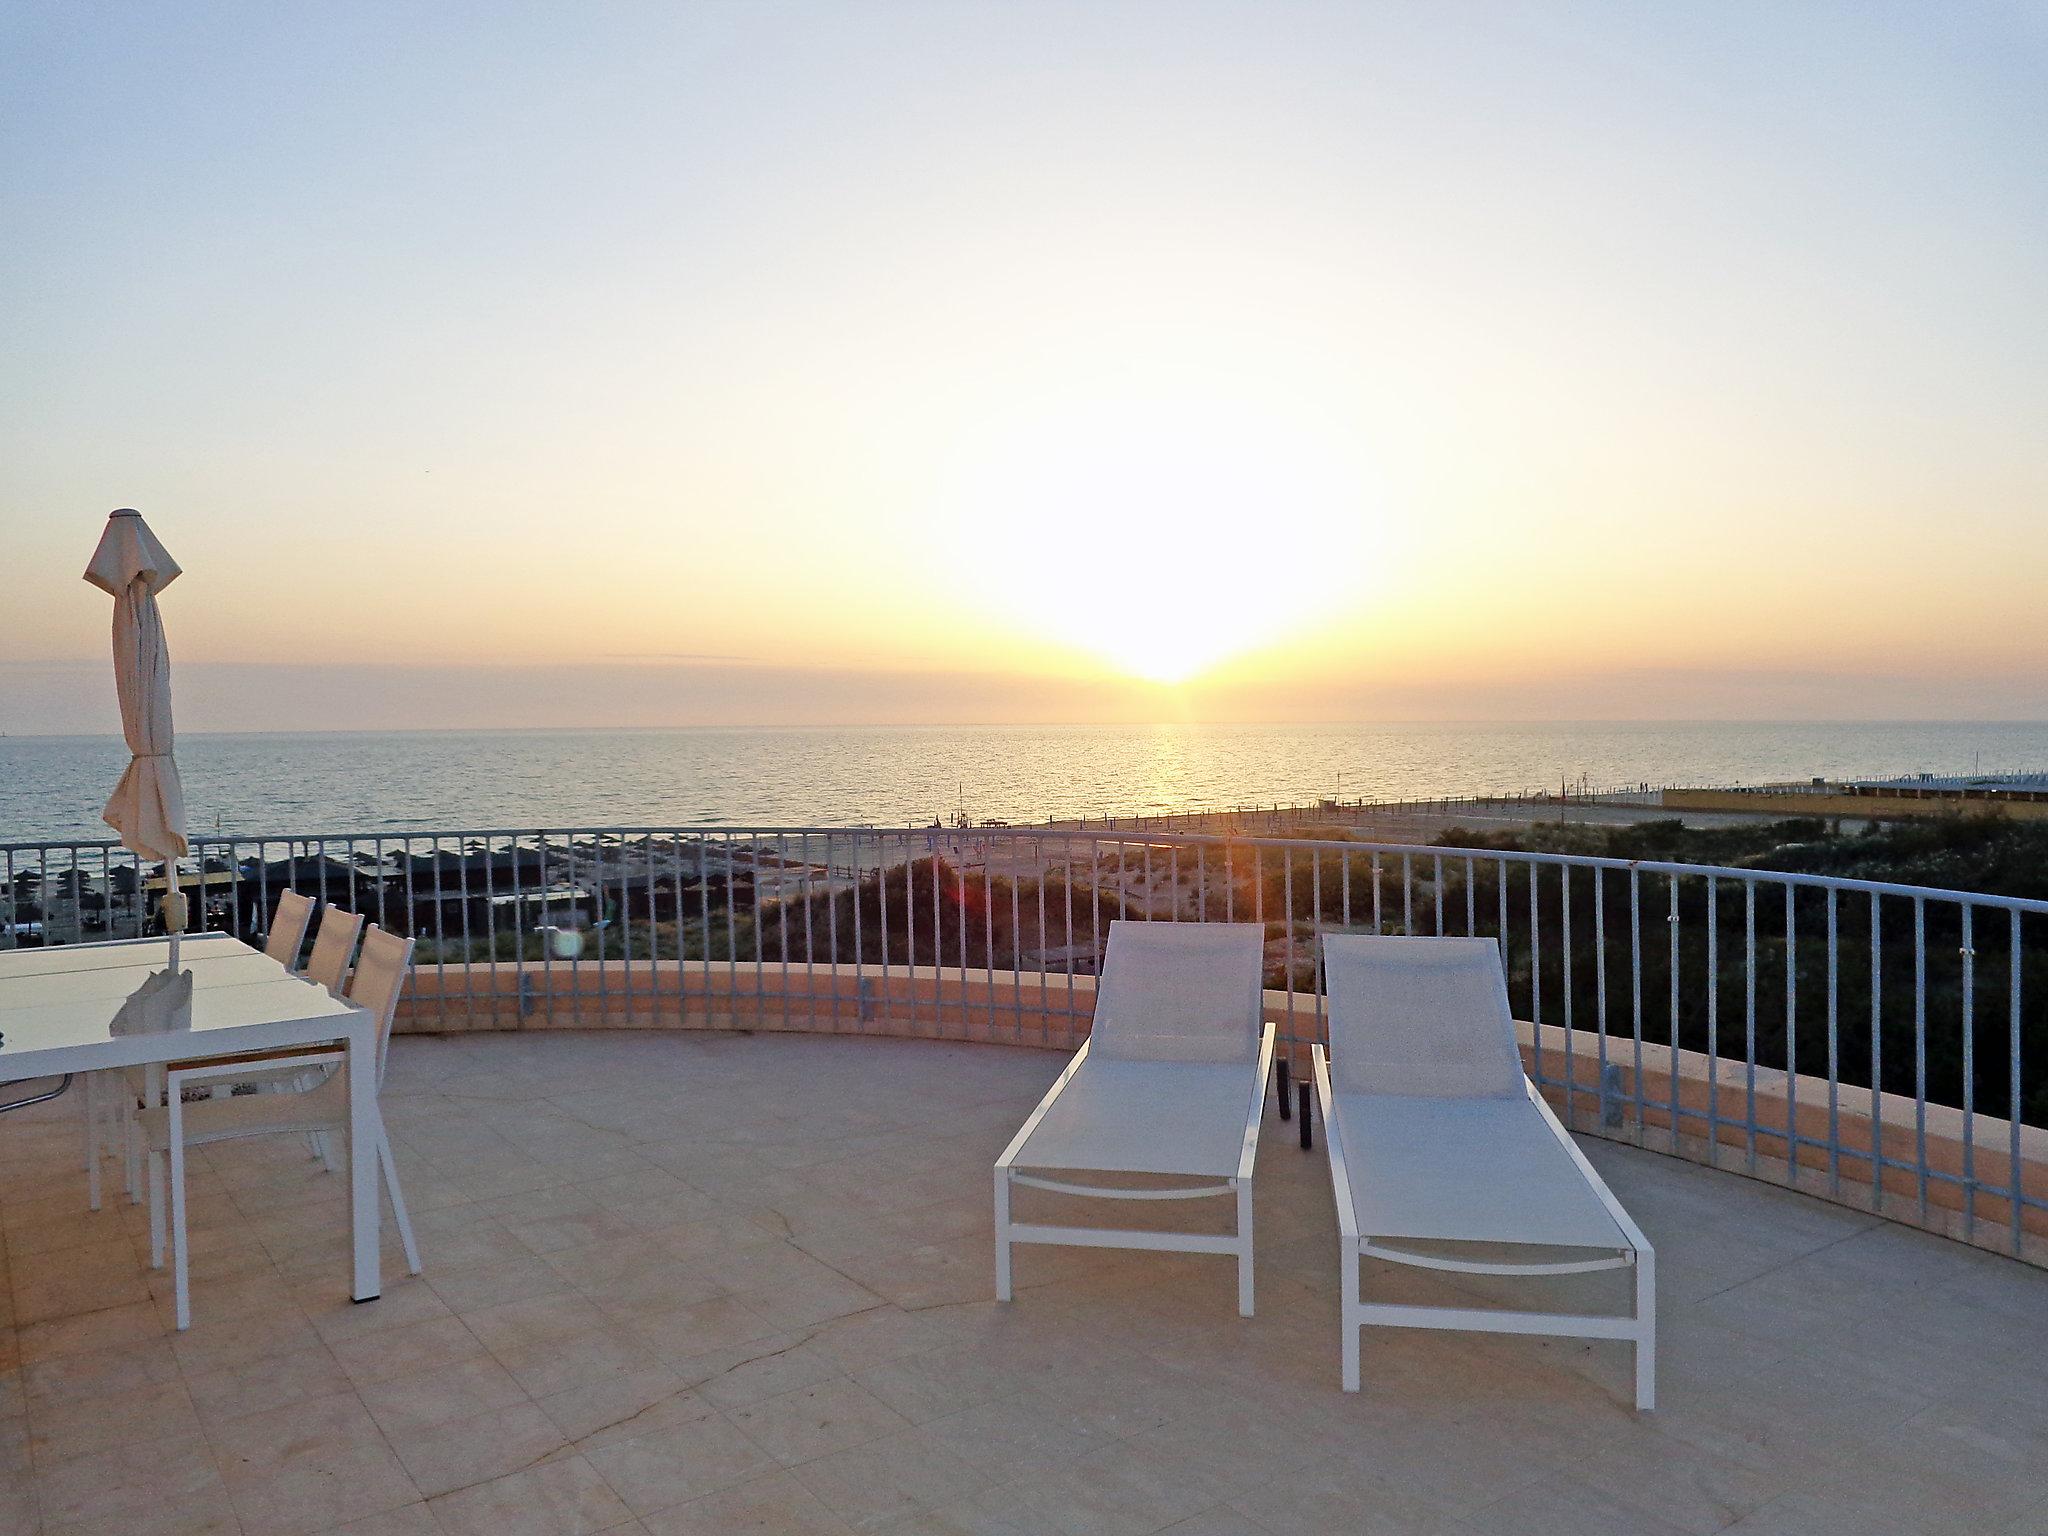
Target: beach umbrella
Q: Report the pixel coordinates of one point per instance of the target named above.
(148, 806)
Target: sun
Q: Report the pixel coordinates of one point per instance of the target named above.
(1167, 536)
(1168, 659)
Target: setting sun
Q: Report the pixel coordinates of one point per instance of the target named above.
(1120, 528)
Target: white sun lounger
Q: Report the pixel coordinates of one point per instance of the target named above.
(1437, 1138)
(1172, 1081)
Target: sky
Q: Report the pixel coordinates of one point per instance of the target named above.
(528, 364)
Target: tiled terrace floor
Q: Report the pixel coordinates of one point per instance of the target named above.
(697, 1285)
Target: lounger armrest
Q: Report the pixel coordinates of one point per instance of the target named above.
(1009, 1157)
(1333, 1142)
(1629, 1229)
(1256, 1115)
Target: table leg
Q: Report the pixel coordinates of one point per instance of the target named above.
(364, 1214)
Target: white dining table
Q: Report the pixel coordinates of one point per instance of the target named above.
(58, 1008)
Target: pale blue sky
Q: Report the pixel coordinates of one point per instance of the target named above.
(1443, 351)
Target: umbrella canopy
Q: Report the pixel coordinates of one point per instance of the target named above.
(148, 805)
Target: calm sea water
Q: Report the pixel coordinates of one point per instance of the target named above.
(53, 787)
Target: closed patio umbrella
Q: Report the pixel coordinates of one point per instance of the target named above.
(148, 805)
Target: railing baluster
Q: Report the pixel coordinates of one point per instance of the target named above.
(882, 917)
(1564, 949)
(468, 935)
(682, 926)
(262, 894)
(412, 924)
(1600, 982)
(1749, 1018)
(760, 928)
(960, 915)
(1287, 882)
(1791, 1039)
(1877, 1156)
(704, 908)
(1920, 1048)
(647, 858)
(988, 925)
(1500, 867)
(1672, 923)
(1315, 938)
(732, 932)
(782, 915)
(2015, 1169)
(910, 927)
(1536, 972)
(383, 882)
(1017, 943)
(1635, 985)
(440, 925)
(1969, 1022)
(1044, 981)
(1834, 1047)
(1713, 1021)
(490, 918)
(490, 914)
(1067, 888)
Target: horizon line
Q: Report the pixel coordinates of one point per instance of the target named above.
(1069, 725)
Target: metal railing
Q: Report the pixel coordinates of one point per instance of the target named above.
(1866, 1041)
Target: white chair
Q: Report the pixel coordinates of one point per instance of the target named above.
(109, 1107)
(1172, 1081)
(333, 947)
(1437, 1138)
(288, 928)
(169, 1129)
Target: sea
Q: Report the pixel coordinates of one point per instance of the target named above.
(52, 788)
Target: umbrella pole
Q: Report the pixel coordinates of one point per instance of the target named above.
(174, 911)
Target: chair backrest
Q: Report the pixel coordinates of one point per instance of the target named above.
(1423, 1017)
(287, 934)
(333, 946)
(1180, 992)
(379, 978)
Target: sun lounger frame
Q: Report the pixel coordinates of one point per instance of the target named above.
(1238, 1186)
(1640, 1328)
